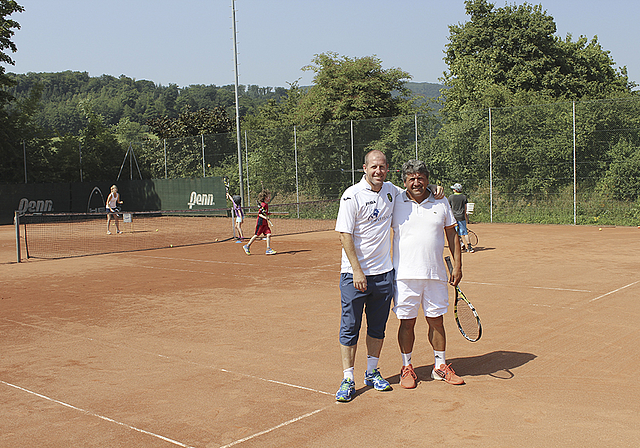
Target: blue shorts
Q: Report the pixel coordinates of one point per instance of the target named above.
(375, 302)
(462, 228)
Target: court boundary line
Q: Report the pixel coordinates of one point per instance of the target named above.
(529, 287)
(171, 358)
(281, 425)
(195, 260)
(614, 291)
(93, 414)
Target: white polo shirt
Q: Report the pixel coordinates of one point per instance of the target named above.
(418, 237)
(366, 215)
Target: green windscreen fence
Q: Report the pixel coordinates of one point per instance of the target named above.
(137, 195)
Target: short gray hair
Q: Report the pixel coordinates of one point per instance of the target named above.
(414, 166)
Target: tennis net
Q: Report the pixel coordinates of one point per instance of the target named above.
(66, 235)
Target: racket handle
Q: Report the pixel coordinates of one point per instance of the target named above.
(447, 259)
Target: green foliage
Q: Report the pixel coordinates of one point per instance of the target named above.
(352, 89)
(116, 98)
(622, 178)
(508, 60)
(7, 26)
(502, 52)
(188, 123)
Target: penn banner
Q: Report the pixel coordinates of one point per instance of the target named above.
(206, 193)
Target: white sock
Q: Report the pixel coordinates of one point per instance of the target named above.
(406, 358)
(372, 363)
(348, 373)
(440, 359)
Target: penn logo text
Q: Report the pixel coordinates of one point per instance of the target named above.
(200, 199)
(42, 205)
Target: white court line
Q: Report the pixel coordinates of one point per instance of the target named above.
(530, 287)
(253, 436)
(170, 358)
(206, 366)
(192, 260)
(92, 414)
(614, 291)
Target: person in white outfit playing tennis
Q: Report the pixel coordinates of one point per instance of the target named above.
(113, 200)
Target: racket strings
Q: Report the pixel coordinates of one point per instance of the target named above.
(467, 320)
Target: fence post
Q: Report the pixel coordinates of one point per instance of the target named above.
(295, 153)
(80, 154)
(16, 220)
(24, 154)
(575, 210)
(165, 158)
(415, 117)
(204, 173)
(490, 171)
(353, 167)
(246, 155)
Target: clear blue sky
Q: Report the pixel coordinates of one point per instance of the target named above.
(190, 41)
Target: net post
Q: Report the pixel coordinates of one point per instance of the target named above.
(16, 220)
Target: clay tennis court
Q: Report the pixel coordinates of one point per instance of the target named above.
(204, 346)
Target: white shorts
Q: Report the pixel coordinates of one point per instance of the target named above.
(433, 295)
(239, 219)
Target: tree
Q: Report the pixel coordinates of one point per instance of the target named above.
(352, 89)
(509, 59)
(189, 124)
(501, 53)
(7, 26)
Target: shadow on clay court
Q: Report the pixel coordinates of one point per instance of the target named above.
(495, 364)
(292, 252)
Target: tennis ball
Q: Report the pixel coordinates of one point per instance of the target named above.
(156, 230)
(600, 228)
(216, 239)
(170, 245)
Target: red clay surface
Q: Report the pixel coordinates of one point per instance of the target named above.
(205, 346)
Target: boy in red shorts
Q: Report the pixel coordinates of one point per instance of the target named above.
(262, 224)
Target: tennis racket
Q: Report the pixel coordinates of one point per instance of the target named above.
(466, 316)
(473, 238)
(226, 184)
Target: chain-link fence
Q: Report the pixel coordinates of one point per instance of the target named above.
(565, 163)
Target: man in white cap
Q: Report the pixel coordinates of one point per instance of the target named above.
(458, 203)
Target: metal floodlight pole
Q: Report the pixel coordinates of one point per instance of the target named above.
(235, 69)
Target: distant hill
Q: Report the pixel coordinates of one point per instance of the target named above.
(425, 92)
(426, 89)
(63, 94)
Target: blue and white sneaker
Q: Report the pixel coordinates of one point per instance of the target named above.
(347, 390)
(375, 379)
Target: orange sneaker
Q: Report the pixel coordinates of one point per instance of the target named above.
(445, 373)
(408, 377)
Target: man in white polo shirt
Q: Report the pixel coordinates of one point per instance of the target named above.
(366, 273)
(420, 223)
